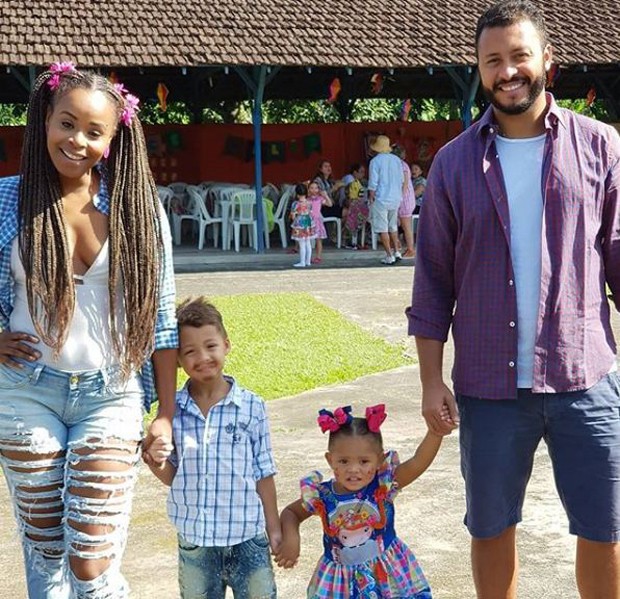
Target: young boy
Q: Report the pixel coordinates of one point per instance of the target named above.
(220, 470)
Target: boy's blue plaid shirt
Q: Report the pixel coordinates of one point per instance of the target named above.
(166, 335)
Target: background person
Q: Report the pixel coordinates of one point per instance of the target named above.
(385, 190)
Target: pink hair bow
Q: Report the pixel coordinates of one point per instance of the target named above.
(332, 421)
(375, 416)
(57, 69)
(131, 104)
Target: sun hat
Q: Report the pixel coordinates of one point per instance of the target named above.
(381, 144)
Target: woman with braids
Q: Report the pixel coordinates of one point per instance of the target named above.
(88, 330)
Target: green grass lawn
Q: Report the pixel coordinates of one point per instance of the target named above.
(287, 343)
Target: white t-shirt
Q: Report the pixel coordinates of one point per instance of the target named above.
(521, 161)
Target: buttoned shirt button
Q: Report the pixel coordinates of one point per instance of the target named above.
(511, 364)
(512, 323)
(511, 282)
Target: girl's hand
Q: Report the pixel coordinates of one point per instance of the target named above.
(288, 554)
(12, 346)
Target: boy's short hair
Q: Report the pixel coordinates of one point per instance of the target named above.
(199, 312)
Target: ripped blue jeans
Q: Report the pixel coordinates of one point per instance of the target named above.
(69, 449)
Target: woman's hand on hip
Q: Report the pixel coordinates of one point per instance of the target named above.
(13, 345)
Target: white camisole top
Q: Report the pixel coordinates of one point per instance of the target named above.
(89, 340)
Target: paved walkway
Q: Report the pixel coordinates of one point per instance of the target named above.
(429, 512)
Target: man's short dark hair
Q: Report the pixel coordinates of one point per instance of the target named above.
(509, 12)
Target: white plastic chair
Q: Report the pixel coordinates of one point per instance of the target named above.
(279, 217)
(338, 221)
(244, 214)
(166, 196)
(198, 213)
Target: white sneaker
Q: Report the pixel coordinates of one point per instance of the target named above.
(299, 265)
(397, 256)
(388, 260)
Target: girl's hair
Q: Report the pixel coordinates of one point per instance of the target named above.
(358, 427)
(301, 189)
(135, 240)
(356, 166)
(199, 312)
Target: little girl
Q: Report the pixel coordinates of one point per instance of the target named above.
(303, 227)
(363, 558)
(318, 199)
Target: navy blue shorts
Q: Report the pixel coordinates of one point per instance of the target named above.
(498, 440)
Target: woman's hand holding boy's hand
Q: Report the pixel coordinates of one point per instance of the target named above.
(289, 552)
(158, 452)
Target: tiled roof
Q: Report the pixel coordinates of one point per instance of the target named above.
(356, 33)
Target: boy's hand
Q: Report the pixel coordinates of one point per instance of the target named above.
(158, 452)
(289, 553)
(275, 540)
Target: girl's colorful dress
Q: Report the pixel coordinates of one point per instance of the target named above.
(316, 202)
(363, 558)
(303, 226)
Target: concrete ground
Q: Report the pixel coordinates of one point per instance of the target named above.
(429, 512)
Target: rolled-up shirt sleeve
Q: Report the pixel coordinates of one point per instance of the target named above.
(433, 297)
(166, 333)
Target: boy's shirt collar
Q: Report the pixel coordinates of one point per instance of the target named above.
(234, 395)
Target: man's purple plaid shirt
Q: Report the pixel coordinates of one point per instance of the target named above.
(464, 276)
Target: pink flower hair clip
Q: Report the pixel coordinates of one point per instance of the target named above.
(131, 104)
(375, 417)
(57, 69)
(333, 421)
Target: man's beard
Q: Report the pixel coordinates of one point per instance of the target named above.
(536, 87)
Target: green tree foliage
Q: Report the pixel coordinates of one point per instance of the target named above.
(176, 112)
(12, 114)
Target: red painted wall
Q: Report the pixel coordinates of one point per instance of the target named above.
(195, 153)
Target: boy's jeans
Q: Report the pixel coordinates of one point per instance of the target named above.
(205, 572)
(72, 440)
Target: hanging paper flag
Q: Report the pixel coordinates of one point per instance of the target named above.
(591, 96)
(334, 91)
(162, 95)
(405, 110)
(377, 83)
(552, 75)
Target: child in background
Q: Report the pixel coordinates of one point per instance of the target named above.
(318, 199)
(362, 557)
(303, 229)
(357, 213)
(220, 470)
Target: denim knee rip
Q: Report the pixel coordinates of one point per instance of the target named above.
(59, 498)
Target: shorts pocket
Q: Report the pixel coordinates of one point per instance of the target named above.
(11, 378)
(186, 545)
